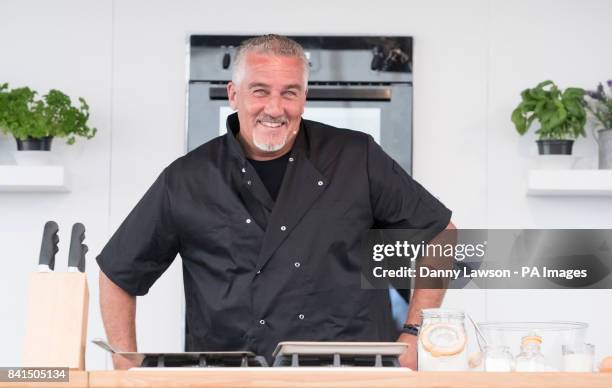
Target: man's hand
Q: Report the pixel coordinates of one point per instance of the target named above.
(409, 358)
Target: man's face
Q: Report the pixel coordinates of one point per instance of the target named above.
(270, 100)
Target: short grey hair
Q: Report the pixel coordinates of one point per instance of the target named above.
(269, 44)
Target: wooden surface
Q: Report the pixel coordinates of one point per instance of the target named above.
(343, 378)
(76, 379)
(275, 378)
(56, 328)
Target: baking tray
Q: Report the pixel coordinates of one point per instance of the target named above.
(179, 358)
(341, 348)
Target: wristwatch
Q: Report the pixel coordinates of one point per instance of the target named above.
(411, 329)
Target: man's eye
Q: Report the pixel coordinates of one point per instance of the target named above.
(259, 92)
(290, 93)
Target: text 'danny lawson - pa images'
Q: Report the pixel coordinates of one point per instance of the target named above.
(480, 258)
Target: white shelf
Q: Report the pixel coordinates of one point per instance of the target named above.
(33, 178)
(569, 183)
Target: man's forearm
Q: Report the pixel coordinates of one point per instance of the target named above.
(423, 299)
(118, 314)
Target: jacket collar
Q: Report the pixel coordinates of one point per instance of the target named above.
(232, 124)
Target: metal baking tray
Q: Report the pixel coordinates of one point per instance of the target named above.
(187, 359)
(341, 348)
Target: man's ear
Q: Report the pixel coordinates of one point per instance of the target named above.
(231, 95)
(305, 97)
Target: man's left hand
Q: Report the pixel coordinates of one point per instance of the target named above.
(409, 358)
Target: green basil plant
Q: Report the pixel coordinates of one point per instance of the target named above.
(25, 116)
(561, 114)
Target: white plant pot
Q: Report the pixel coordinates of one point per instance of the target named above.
(34, 158)
(556, 162)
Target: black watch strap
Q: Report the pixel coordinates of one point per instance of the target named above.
(411, 329)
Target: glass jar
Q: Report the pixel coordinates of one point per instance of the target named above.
(442, 341)
(498, 358)
(530, 359)
(554, 335)
(578, 357)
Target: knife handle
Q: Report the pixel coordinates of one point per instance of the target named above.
(76, 255)
(48, 246)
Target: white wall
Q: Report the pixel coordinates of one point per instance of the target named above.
(68, 46)
(563, 41)
(127, 58)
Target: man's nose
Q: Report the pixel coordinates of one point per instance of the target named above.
(274, 106)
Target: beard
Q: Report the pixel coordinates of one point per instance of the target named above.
(268, 146)
(268, 142)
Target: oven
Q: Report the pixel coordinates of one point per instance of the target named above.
(360, 83)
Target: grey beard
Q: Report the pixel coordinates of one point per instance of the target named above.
(269, 147)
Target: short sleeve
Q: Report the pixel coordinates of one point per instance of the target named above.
(145, 244)
(398, 201)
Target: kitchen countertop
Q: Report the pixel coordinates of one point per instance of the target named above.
(76, 379)
(323, 377)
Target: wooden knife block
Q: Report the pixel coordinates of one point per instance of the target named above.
(56, 327)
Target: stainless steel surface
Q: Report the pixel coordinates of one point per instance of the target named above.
(104, 345)
(332, 58)
(330, 93)
(188, 359)
(338, 354)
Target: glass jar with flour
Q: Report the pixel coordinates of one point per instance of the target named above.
(442, 341)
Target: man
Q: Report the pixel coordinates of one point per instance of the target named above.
(268, 220)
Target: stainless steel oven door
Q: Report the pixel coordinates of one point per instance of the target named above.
(383, 111)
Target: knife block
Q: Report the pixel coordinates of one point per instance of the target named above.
(56, 327)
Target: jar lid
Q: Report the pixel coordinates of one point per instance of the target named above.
(531, 339)
(442, 313)
(443, 339)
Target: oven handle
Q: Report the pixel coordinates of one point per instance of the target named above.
(327, 94)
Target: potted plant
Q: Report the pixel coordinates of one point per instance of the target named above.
(599, 105)
(561, 115)
(35, 122)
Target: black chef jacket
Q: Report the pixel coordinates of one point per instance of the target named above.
(257, 272)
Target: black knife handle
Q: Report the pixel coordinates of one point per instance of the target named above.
(48, 246)
(76, 255)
